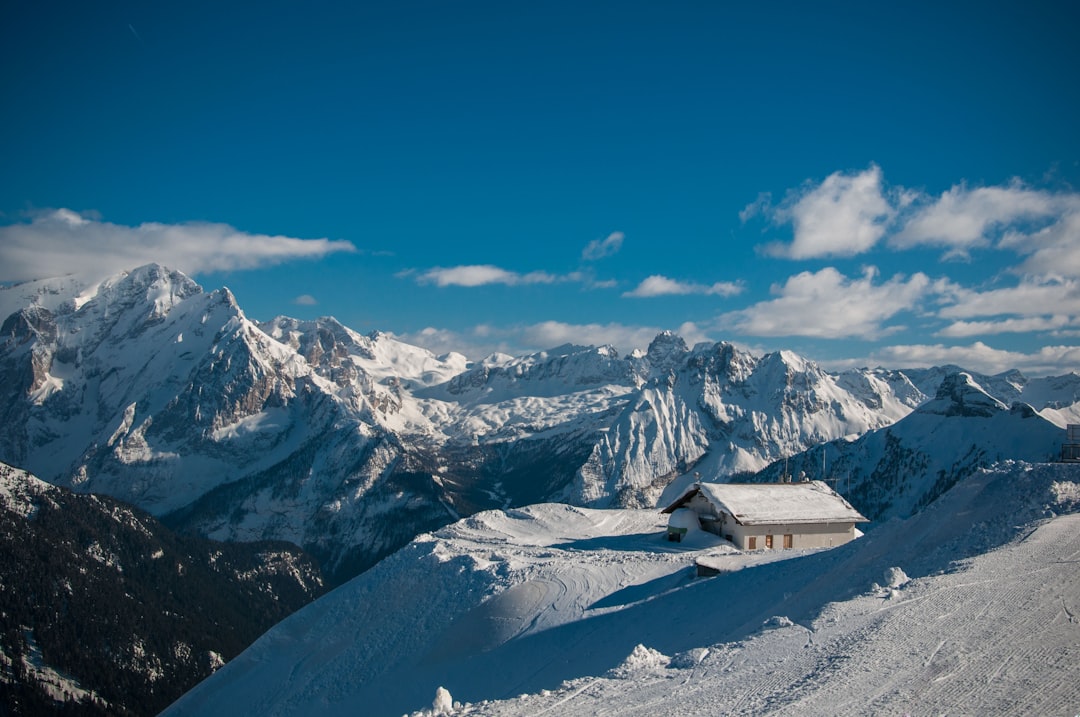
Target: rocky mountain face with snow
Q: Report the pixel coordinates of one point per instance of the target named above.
(898, 470)
(107, 612)
(147, 388)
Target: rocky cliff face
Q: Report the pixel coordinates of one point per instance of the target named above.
(149, 389)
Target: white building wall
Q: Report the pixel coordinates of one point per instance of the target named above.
(813, 535)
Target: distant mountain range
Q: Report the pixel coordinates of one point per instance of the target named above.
(146, 388)
(898, 470)
(107, 612)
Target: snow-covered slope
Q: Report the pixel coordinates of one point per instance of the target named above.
(896, 470)
(147, 388)
(968, 607)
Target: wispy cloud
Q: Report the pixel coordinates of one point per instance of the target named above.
(978, 356)
(136, 34)
(474, 275)
(63, 241)
(305, 300)
(481, 275)
(827, 304)
(600, 248)
(1053, 250)
(962, 218)
(1032, 296)
(967, 329)
(845, 215)
(657, 285)
(486, 339)
(623, 337)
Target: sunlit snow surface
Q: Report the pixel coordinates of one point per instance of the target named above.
(970, 607)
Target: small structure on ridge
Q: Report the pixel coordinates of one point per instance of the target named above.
(756, 516)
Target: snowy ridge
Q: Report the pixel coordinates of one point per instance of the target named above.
(557, 610)
(896, 470)
(20, 491)
(147, 388)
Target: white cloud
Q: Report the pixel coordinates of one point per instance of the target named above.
(657, 285)
(1054, 250)
(305, 300)
(473, 275)
(485, 339)
(64, 242)
(1046, 361)
(845, 215)
(600, 248)
(762, 205)
(443, 341)
(1043, 225)
(848, 214)
(963, 218)
(1031, 297)
(827, 304)
(965, 329)
(481, 275)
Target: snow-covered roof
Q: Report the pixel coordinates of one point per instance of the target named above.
(771, 503)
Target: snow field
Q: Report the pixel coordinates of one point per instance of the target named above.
(453, 596)
(969, 607)
(998, 633)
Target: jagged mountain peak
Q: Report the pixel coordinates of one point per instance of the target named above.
(345, 356)
(960, 395)
(789, 363)
(666, 350)
(722, 360)
(152, 283)
(563, 350)
(544, 373)
(155, 284)
(1015, 378)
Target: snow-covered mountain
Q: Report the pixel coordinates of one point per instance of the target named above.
(106, 612)
(897, 470)
(724, 411)
(147, 388)
(968, 607)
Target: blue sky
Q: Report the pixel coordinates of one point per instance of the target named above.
(863, 185)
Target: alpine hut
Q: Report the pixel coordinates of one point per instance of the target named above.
(753, 516)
